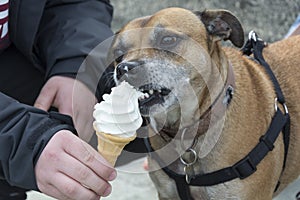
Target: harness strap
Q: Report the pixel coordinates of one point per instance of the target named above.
(255, 45)
(242, 169)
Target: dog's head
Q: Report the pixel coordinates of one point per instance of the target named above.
(174, 58)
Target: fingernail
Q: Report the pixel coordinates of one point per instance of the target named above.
(107, 192)
(112, 176)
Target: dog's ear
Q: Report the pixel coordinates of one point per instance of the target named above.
(223, 25)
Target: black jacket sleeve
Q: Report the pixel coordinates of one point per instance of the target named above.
(68, 31)
(24, 132)
(57, 35)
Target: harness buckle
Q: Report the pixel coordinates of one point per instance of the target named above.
(244, 168)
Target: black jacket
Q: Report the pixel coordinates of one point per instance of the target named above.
(56, 36)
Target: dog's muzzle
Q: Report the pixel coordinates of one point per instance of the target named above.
(136, 74)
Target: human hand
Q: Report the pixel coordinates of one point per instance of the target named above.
(69, 168)
(70, 97)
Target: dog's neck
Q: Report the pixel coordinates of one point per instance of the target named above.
(207, 129)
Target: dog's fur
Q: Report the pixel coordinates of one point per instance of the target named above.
(194, 83)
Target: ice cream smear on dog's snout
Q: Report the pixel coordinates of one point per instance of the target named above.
(117, 119)
(119, 113)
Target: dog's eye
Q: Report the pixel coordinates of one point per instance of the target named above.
(168, 40)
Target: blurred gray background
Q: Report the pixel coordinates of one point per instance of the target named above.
(271, 19)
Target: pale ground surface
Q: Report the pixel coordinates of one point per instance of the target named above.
(133, 183)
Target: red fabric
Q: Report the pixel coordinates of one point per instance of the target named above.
(4, 37)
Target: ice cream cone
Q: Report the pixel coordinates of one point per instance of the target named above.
(111, 146)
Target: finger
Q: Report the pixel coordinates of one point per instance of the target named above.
(84, 175)
(45, 98)
(71, 189)
(83, 106)
(65, 108)
(91, 158)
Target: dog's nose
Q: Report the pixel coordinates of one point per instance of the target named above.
(125, 67)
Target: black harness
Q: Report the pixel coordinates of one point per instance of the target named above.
(246, 166)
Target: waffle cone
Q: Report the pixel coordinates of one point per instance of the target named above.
(111, 146)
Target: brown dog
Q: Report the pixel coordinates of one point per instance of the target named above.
(176, 59)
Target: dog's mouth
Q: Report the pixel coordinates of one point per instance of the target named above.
(153, 94)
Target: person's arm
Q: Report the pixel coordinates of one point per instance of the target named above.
(67, 33)
(40, 151)
(24, 132)
(69, 30)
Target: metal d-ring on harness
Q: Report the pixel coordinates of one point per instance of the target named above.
(246, 166)
(192, 154)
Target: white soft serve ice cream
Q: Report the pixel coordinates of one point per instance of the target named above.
(119, 113)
